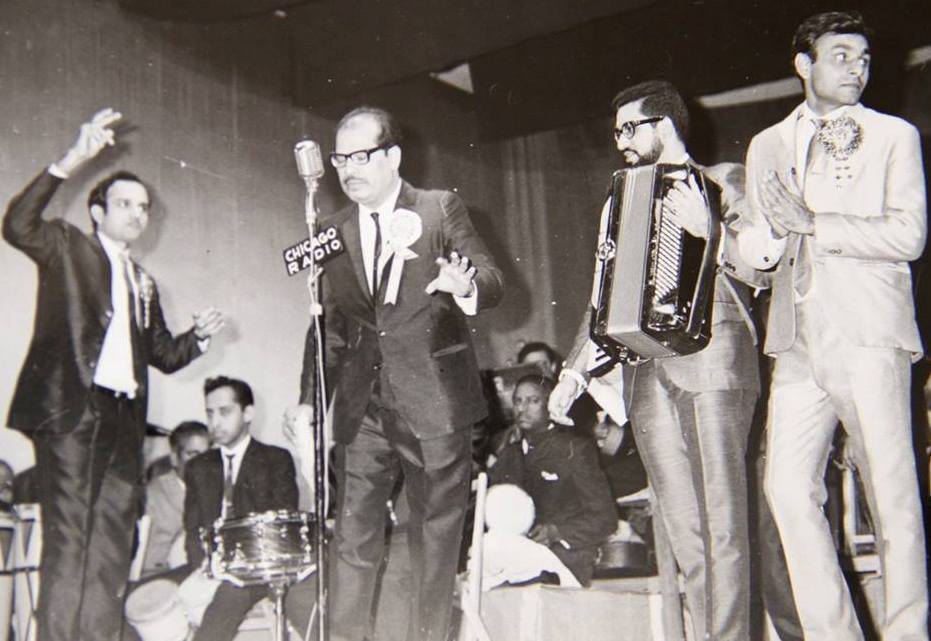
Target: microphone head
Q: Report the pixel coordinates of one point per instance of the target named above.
(309, 160)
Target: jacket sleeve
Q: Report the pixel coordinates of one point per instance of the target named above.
(283, 481)
(23, 226)
(756, 244)
(192, 518)
(168, 353)
(334, 330)
(461, 237)
(898, 232)
(593, 518)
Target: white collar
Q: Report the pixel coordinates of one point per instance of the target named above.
(237, 450)
(806, 112)
(113, 249)
(386, 206)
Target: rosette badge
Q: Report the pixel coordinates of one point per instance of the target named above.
(403, 231)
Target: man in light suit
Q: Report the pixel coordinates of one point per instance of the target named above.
(405, 382)
(238, 477)
(690, 414)
(164, 497)
(81, 394)
(843, 192)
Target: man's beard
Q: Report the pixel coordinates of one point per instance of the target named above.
(649, 158)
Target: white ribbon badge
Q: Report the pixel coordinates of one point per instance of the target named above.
(403, 231)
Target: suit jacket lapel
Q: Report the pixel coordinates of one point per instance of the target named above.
(353, 240)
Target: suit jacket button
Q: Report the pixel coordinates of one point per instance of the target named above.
(92, 364)
(383, 333)
(376, 366)
(791, 261)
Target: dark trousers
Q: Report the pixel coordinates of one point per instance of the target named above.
(436, 480)
(693, 446)
(89, 490)
(231, 604)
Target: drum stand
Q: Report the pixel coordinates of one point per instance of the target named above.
(277, 590)
(319, 431)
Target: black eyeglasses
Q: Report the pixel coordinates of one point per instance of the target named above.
(360, 157)
(629, 128)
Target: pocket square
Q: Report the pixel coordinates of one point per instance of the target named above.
(549, 476)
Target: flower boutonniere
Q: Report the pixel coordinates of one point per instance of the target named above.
(404, 230)
(146, 291)
(841, 137)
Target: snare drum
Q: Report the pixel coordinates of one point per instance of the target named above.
(261, 547)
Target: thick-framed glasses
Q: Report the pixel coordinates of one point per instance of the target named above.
(360, 157)
(629, 128)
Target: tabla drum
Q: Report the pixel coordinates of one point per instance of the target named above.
(261, 548)
(156, 613)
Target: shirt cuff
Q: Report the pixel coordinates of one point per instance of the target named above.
(57, 171)
(203, 344)
(567, 372)
(469, 303)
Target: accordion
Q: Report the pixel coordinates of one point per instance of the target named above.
(657, 280)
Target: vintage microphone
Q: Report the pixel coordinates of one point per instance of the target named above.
(310, 168)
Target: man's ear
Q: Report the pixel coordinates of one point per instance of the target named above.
(803, 65)
(394, 156)
(97, 213)
(248, 412)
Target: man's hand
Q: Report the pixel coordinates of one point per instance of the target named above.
(784, 210)
(544, 534)
(455, 276)
(298, 427)
(561, 399)
(685, 205)
(208, 322)
(92, 137)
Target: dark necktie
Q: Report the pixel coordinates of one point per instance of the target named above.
(227, 509)
(131, 286)
(376, 255)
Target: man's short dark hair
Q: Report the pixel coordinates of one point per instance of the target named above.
(538, 346)
(241, 390)
(98, 195)
(185, 430)
(660, 98)
(836, 22)
(390, 133)
(545, 383)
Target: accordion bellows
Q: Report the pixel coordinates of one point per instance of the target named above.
(657, 280)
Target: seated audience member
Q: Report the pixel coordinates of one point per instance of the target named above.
(164, 496)
(584, 411)
(6, 486)
(618, 456)
(238, 477)
(539, 353)
(558, 468)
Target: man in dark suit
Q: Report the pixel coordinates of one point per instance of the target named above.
(81, 394)
(558, 468)
(691, 414)
(405, 381)
(238, 477)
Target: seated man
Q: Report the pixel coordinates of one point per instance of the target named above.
(164, 497)
(558, 468)
(238, 477)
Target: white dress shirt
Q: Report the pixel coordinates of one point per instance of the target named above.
(468, 304)
(114, 368)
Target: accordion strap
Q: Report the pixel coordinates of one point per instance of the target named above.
(744, 311)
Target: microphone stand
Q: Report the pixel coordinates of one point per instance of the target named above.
(319, 413)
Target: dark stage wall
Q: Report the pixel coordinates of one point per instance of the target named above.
(217, 149)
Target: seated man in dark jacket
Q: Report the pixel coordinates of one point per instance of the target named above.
(558, 468)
